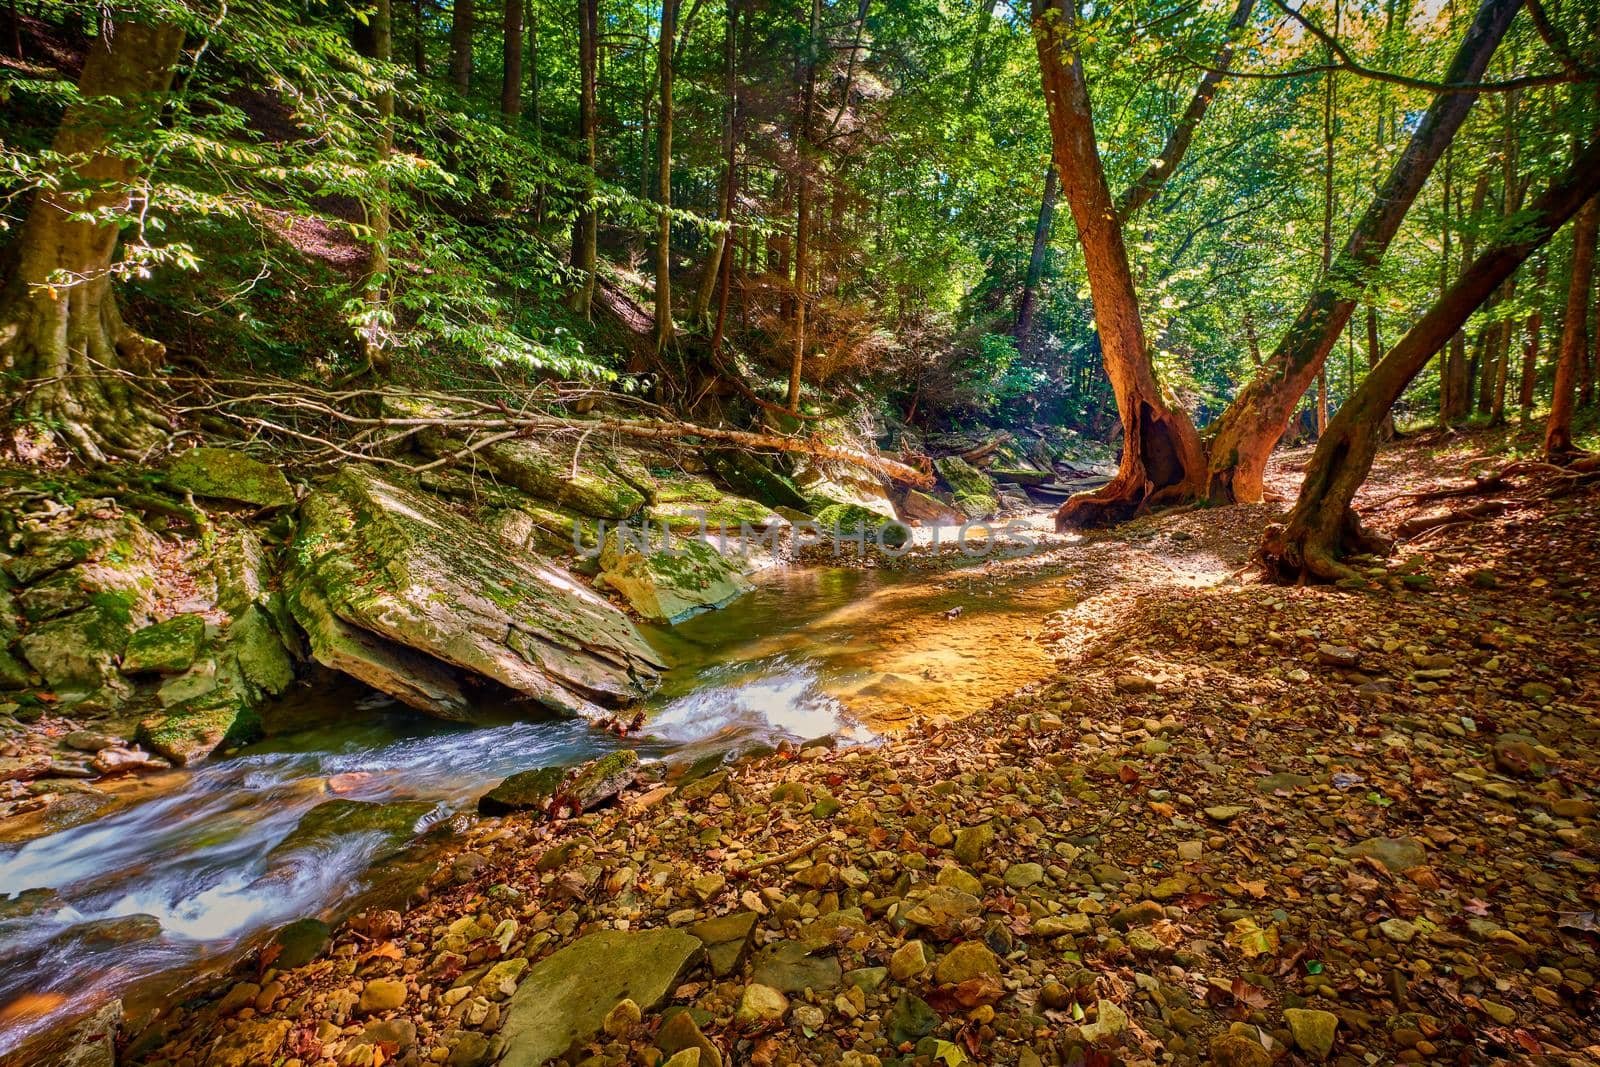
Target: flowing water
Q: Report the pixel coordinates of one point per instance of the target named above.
(181, 881)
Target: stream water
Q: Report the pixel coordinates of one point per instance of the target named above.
(180, 882)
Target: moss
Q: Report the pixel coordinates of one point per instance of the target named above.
(225, 474)
(852, 519)
(168, 647)
(751, 476)
(199, 727)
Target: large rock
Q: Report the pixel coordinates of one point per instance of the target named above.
(849, 521)
(580, 789)
(392, 823)
(78, 654)
(193, 729)
(224, 474)
(565, 997)
(925, 509)
(751, 476)
(974, 492)
(670, 583)
(830, 481)
(394, 562)
(168, 647)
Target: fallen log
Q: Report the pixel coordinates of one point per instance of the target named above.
(1483, 509)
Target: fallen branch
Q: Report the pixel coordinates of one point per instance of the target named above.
(780, 859)
(1483, 509)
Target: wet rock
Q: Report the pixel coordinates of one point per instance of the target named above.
(168, 647)
(394, 823)
(1313, 1031)
(524, 791)
(760, 1005)
(224, 474)
(601, 780)
(794, 967)
(396, 563)
(670, 585)
(89, 1042)
(300, 942)
(565, 997)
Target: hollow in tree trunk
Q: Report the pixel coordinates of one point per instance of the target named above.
(1323, 529)
(1161, 457)
(61, 332)
(1252, 424)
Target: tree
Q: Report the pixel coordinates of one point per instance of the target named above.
(61, 330)
(1252, 424)
(461, 29)
(664, 69)
(1322, 528)
(722, 243)
(585, 228)
(1574, 336)
(373, 340)
(1162, 457)
(1041, 244)
(511, 67)
(804, 179)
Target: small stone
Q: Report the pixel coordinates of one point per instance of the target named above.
(1023, 875)
(1110, 1021)
(1054, 995)
(968, 960)
(620, 1020)
(908, 961)
(1313, 1030)
(1141, 914)
(1337, 655)
(689, 1057)
(681, 1033)
(1225, 813)
(1134, 683)
(1499, 1012)
(1236, 1050)
(1398, 930)
(1397, 854)
(957, 878)
(759, 1005)
(972, 842)
(911, 1019)
(382, 994)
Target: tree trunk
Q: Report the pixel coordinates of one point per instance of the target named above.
(61, 331)
(419, 39)
(980, 38)
(461, 26)
(585, 228)
(802, 225)
(1041, 245)
(511, 66)
(664, 65)
(722, 244)
(536, 110)
(1574, 335)
(1374, 354)
(374, 338)
(1166, 162)
(1161, 456)
(1252, 424)
(1322, 528)
(1252, 339)
(1530, 348)
(1589, 369)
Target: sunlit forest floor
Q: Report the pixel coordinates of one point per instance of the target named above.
(1228, 821)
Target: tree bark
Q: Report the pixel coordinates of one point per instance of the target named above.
(1252, 424)
(1322, 528)
(61, 330)
(1161, 456)
(802, 225)
(585, 228)
(664, 71)
(1374, 354)
(511, 66)
(1162, 167)
(461, 26)
(1574, 336)
(1530, 347)
(1041, 245)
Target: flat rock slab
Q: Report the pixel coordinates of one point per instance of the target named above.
(565, 996)
(224, 474)
(394, 562)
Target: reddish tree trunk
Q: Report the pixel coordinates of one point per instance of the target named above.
(1161, 457)
(1574, 336)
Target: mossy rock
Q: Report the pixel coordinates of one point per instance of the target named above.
(973, 492)
(851, 520)
(263, 661)
(225, 474)
(394, 823)
(669, 585)
(751, 476)
(79, 652)
(1021, 475)
(523, 791)
(529, 527)
(191, 731)
(13, 674)
(168, 647)
(300, 942)
(59, 594)
(599, 780)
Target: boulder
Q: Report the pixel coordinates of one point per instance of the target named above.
(565, 997)
(79, 653)
(263, 661)
(168, 647)
(751, 476)
(669, 583)
(394, 562)
(393, 823)
(829, 481)
(974, 492)
(925, 509)
(226, 474)
(191, 730)
(523, 791)
(851, 520)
